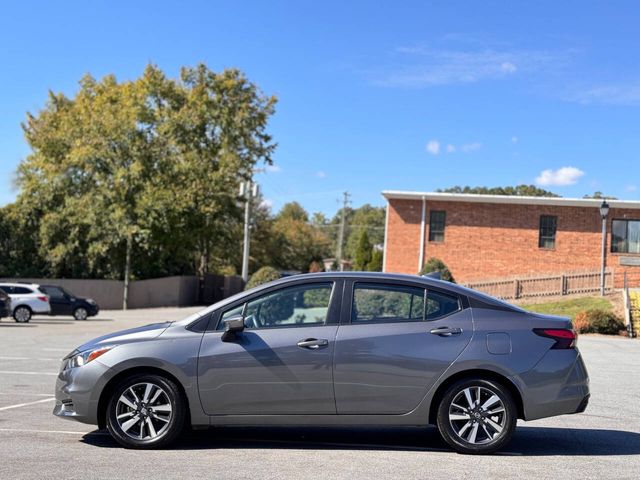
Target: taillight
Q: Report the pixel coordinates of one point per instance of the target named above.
(43, 299)
(565, 338)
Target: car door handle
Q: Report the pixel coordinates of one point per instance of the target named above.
(313, 343)
(446, 331)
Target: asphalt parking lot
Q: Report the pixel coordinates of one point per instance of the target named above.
(604, 442)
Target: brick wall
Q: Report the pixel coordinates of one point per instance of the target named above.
(489, 240)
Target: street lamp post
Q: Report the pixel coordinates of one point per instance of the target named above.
(604, 211)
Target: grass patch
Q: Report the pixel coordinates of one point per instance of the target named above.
(570, 308)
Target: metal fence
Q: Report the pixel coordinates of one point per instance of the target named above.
(547, 285)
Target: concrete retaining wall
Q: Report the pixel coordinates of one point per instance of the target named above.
(178, 291)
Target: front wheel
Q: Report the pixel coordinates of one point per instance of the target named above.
(22, 314)
(477, 416)
(146, 411)
(80, 313)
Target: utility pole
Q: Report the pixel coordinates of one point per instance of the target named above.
(248, 190)
(343, 219)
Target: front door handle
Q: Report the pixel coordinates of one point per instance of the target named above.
(446, 331)
(313, 343)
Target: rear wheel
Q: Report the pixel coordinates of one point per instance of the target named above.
(80, 313)
(22, 314)
(146, 411)
(477, 416)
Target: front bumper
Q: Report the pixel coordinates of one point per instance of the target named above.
(78, 392)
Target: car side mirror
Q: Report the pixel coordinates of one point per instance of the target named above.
(232, 326)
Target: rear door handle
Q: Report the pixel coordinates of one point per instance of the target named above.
(313, 343)
(446, 331)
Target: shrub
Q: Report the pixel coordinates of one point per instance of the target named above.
(598, 321)
(581, 323)
(437, 265)
(604, 322)
(263, 275)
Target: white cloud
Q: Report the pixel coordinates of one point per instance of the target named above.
(321, 174)
(450, 148)
(514, 139)
(470, 147)
(621, 94)
(433, 147)
(631, 188)
(508, 67)
(422, 66)
(560, 177)
(273, 168)
(266, 202)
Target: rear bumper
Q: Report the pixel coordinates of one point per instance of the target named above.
(557, 385)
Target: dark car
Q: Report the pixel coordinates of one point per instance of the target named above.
(65, 303)
(5, 304)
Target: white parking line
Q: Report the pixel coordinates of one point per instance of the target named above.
(15, 394)
(18, 405)
(27, 373)
(28, 358)
(68, 432)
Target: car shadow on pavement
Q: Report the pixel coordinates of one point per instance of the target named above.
(15, 324)
(527, 441)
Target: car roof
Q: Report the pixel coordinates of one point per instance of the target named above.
(18, 284)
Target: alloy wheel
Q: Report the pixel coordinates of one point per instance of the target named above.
(80, 314)
(144, 411)
(22, 314)
(477, 415)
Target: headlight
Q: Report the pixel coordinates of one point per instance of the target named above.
(85, 357)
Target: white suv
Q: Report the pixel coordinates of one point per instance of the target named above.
(26, 299)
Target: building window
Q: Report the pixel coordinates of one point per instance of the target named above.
(547, 237)
(436, 225)
(625, 236)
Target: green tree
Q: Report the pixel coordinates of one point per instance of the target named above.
(299, 242)
(518, 190)
(141, 176)
(600, 195)
(375, 265)
(363, 253)
(436, 265)
(263, 275)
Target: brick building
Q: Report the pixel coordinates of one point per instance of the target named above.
(482, 237)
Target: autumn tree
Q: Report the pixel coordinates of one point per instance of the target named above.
(128, 176)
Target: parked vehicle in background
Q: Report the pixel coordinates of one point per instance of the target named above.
(332, 349)
(64, 302)
(5, 304)
(26, 300)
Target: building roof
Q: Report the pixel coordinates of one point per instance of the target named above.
(509, 199)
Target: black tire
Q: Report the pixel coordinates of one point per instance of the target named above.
(81, 313)
(166, 432)
(22, 314)
(487, 438)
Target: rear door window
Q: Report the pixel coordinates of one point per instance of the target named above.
(441, 304)
(379, 303)
(21, 290)
(53, 292)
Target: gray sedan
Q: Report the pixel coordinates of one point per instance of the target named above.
(332, 349)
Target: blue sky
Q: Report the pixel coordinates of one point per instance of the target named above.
(372, 95)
